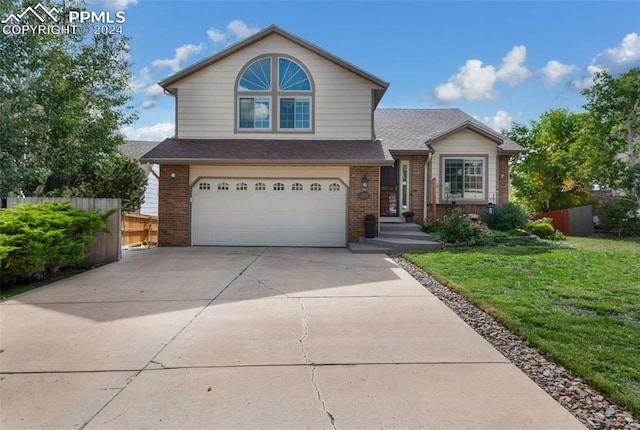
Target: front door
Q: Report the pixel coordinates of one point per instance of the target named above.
(394, 189)
(389, 190)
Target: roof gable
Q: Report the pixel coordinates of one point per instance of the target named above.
(170, 81)
(416, 129)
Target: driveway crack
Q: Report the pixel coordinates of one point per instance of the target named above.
(265, 285)
(305, 332)
(324, 406)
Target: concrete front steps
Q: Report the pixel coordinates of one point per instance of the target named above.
(394, 238)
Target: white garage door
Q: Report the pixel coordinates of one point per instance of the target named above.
(269, 212)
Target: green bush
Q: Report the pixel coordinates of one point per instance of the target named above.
(620, 217)
(39, 237)
(455, 228)
(507, 217)
(541, 228)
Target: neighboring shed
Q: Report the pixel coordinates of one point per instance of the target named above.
(135, 149)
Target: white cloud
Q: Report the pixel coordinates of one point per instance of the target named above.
(236, 30)
(137, 84)
(240, 30)
(554, 71)
(114, 4)
(181, 56)
(148, 104)
(472, 82)
(216, 35)
(159, 131)
(500, 121)
(154, 90)
(511, 71)
(613, 59)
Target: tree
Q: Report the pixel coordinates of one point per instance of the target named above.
(63, 98)
(610, 140)
(549, 177)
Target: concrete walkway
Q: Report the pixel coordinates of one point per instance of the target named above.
(254, 338)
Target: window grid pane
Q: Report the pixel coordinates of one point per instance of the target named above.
(257, 77)
(453, 178)
(287, 114)
(291, 77)
(302, 113)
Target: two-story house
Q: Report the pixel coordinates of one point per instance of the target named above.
(279, 143)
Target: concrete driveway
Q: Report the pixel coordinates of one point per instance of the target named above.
(254, 338)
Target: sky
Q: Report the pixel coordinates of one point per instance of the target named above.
(499, 61)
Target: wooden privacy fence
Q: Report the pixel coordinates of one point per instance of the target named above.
(572, 222)
(106, 248)
(139, 229)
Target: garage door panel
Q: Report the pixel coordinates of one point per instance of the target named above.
(296, 212)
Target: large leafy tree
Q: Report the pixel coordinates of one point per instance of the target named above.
(63, 97)
(549, 176)
(610, 139)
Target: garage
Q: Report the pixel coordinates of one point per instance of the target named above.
(269, 212)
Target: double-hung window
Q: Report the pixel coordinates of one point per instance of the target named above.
(464, 178)
(274, 81)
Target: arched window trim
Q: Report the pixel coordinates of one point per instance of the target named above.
(304, 100)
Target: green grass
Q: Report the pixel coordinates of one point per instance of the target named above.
(578, 303)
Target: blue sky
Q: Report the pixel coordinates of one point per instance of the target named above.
(499, 61)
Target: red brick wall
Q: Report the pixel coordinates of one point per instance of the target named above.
(173, 206)
(503, 180)
(417, 187)
(357, 208)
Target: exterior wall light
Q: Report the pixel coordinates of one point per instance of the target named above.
(364, 194)
(365, 183)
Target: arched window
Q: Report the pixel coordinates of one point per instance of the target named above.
(316, 187)
(204, 186)
(223, 186)
(334, 187)
(241, 186)
(257, 93)
(260, 186)
(278, 186)
(296, 187)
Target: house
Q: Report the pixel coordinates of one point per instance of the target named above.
(278, 142)
(135, 149)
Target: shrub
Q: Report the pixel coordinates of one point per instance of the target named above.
(541, 228)
(455, 228)
(507, 217)
(43, 236)
(620, 216)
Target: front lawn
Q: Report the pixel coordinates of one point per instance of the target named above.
(579, 303)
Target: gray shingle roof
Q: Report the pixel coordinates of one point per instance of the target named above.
(415, 129)
(259, 151)
(135, 149)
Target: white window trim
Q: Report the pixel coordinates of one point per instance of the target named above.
(295, 97)
(465, 157)
(255, 97)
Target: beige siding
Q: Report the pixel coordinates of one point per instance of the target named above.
(466, 142)
(206, 100)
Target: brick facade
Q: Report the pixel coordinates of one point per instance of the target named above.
(357, 208)
(503, 180)
(173, 206)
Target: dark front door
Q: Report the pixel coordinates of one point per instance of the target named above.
(389, 190)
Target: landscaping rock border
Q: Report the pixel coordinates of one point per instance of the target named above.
(593, 409)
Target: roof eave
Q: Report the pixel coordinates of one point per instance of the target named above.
(272, 29)
(238, 162)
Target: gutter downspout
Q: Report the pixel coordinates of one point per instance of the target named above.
(426, 185)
